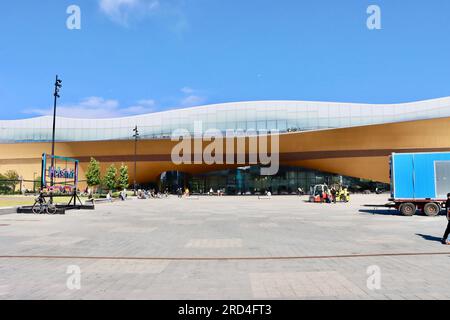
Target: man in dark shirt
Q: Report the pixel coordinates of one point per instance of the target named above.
(447, 232)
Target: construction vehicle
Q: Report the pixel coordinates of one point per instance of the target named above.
(319, 193)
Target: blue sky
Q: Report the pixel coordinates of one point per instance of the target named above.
(138, 56)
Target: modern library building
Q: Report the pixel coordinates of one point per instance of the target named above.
(318, 142)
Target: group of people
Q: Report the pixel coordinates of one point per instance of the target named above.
(219, 192)
(180, 192)
(122, 196)
(339, 194)
(332, 195)
(152, 194)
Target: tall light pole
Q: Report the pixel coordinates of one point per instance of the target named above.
(136, 137)
(58, 85)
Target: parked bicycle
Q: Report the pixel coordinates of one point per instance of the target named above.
(43, 206)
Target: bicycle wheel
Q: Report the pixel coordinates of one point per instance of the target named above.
(37, 208)
(51, 208)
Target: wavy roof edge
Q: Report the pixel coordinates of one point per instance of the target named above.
(442, 99)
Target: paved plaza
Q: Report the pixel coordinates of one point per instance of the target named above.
(225, 248)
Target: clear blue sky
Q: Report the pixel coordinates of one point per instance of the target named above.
(149, 55)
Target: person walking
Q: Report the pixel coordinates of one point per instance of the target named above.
(447, 231)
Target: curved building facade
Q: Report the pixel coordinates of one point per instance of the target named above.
(284, 116)
(338, 138)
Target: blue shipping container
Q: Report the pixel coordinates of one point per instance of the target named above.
(420, 175)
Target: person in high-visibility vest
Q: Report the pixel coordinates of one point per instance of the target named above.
(346, 195)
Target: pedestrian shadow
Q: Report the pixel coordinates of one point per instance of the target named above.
(429, 238)
(383, 212)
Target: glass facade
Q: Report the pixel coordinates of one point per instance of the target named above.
(283, 116)
(249, 181)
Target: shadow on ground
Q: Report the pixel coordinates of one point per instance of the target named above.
(392, 212)
(429, 238)
(384, 212)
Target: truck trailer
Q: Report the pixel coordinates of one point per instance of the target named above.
(420, 181)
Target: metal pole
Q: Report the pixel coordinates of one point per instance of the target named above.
(52, 172)
(136, 135)
(135, 161)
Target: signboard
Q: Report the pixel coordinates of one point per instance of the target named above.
(64, 174)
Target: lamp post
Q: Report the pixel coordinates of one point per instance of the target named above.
(58, 85)
(136, 137)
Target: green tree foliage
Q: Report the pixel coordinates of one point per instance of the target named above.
(110, 178)
(4, 188)
(37, 183)
(122, 182)
(13, 178)
(93, 173)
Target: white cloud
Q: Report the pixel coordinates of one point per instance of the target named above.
(148, 103)
(192, 101)
(169, 13)
(192, 98)
(120, 11)
(101, 108)
(97, 107)
(187, 90)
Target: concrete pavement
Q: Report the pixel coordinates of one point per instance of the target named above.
(225, 248)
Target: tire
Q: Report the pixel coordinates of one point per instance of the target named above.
(431, 209)
(408, 209)
(51, 209)
(37, 209)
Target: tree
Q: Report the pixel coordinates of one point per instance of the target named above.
(122, 182)
(110, 178)
(93, 173)
(13, 178)
(36, 183)
(4, 188)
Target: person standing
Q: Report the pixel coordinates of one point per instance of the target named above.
(333, 195)
(447, 231)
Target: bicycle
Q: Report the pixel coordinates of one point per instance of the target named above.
(41, 205)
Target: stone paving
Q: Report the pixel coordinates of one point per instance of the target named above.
(225, 248)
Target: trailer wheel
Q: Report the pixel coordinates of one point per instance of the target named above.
(408, 209)
(431, 209)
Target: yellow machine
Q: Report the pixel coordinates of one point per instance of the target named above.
(342, 195)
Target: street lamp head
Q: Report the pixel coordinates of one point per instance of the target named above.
(136, 132)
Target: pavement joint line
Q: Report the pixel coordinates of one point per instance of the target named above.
(410, 254)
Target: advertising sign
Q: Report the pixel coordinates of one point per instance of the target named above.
(64, 173)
